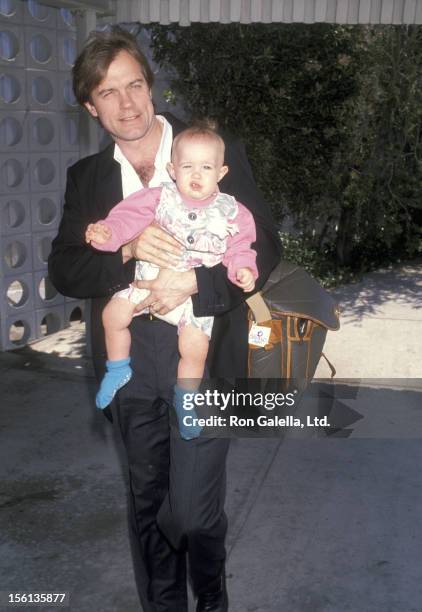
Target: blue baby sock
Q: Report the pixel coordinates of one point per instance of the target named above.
(187, 431)
(118, 374)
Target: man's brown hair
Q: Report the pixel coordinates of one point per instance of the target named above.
(100, 49)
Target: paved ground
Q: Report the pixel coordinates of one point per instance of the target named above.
(320, 524)
(381, 334)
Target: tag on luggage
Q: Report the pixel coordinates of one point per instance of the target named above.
(259, 335)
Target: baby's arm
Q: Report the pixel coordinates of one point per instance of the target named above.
(98, 232)
(240, 258)
(128, 219)
(245, 279)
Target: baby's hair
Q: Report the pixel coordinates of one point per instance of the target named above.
(206, 123)
(205, 129)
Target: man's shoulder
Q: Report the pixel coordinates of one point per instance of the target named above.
(177, 124)
(87, 164)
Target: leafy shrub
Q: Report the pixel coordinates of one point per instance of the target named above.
(331, 116)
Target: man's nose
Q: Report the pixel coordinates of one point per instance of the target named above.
(125, 99)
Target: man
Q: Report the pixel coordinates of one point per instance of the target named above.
(177, 487)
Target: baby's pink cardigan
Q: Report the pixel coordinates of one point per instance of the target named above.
(132, 215)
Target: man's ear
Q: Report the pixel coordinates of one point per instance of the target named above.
(91, 109)
(170, 170)
(223, 172)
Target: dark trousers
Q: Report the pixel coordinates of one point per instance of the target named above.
(177, 487)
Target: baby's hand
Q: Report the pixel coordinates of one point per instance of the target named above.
(98, 232)
(245, 279)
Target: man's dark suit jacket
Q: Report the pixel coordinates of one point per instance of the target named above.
(94, 186)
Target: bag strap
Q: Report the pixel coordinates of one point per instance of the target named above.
(330, 365)
(259, 308)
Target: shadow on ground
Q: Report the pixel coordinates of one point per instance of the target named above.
(315, 525)
(400, 285)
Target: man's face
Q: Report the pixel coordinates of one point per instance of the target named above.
(197, 167)
(122, 101)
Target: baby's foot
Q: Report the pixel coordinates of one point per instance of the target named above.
(118, 374)
(187, 431)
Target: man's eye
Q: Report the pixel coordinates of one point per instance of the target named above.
(106, 94)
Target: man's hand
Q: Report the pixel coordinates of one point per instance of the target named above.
(168, 290)
(154, 245)
(98, 232)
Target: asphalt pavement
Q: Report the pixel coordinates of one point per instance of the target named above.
(324, 522)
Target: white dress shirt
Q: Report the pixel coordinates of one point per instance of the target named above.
(130, 179)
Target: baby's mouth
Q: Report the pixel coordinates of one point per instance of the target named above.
(195, 186)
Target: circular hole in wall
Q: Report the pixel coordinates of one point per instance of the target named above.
(40, 48)
(42, 90)
(76, 316)
(43, 131)
(68, 17)
(7, 7)
(19, 332)
(50, 324)
(69, 51)
(46, 210)
(12, 214)
(9, 45)
(44, 171)
(10, 132)
(43, 249)
(70, 130)
(46, 289)
(38, 11)
(10, 88)
(17, 294)
(15, 254)
(12, 173)
(69, 162)
(68, 94)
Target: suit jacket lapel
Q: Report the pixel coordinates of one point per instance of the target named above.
(109, 189)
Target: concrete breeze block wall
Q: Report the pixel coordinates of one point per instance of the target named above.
(39, 139)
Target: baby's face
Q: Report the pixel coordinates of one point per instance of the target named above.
(197, 166)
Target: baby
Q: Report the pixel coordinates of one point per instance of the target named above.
(212, 227)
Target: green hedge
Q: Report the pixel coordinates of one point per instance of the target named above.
(331, 117)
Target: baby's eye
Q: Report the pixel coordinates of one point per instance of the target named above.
(186, 166)
(207, 167)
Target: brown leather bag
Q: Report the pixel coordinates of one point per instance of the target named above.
(299, 312)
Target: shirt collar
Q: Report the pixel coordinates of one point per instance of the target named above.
(162, 157)
(130, 180)
(164, 150)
